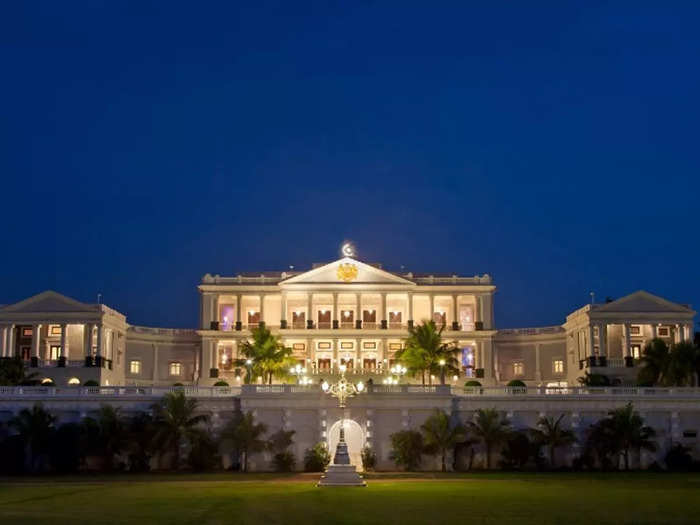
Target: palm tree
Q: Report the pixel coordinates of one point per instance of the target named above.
(35, 428)
(551, 434)
(654, 363)
(424, 351)
(14, 373)
(490, 429)
(176, 422)
(267, 355)
(441, 436)
(246, 436)
(108, 434)
(630, 432)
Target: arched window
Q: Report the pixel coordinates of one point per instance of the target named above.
(47, 381)
(73, 381)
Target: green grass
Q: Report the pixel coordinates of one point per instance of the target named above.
(260, 499)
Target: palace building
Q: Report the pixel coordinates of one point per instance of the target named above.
(346, 312)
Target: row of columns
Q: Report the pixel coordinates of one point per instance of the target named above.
(8, 342)
(479, 310)
(681, 333)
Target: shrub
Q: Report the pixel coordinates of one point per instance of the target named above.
(316, 459)
(678, 458)
(204, 452)
(178, 384)
(221, 383)
(369, 458)
(283, 461)
(516, 383)
(516, 452)
(91, 382)
(471, 383)
(406, 449)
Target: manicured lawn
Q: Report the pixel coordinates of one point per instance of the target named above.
(263, 499)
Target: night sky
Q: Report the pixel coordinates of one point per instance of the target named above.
(551, 145)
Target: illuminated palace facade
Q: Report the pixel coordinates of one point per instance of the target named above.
(346, 312)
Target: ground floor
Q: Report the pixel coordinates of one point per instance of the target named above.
(520, 498)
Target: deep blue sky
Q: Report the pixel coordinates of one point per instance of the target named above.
(552, 145)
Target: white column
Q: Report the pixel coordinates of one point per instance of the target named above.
(283, 307)
(262, 308)
(100, 339)
(538, 370)
(385, 314)
(602, 337)
(626, 335)
(239, 303)
(3, 340)
(358, 301)
(336, 361)
(10, 341)
(64, 350)
(454, 308)
(691, 333)
(155, 364)
(591, 341)
(654, 334)
(214, 309)
(36, 338)
(410, 306)
(214, 354)
(432, 306)
(335, 317)
(309, 307)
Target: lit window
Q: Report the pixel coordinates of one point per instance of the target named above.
(54, 329)
(558, 366)
(518, 368)
(635, 329)
(47, 381)
(135, 367)
(175, 369)
(55, 351)
(27, 332)
(74, 381)
(663, 331)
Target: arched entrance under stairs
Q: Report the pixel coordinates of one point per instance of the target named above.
(354, 437)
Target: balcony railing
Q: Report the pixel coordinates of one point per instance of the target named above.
(116, 391)
(579, 392)
(369, 389)
(601, 361)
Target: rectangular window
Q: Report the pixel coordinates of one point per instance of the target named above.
(636, 351)
(518, 368)
(298, 346)
(635, 329)
(440, 318)
(394, 346)
(663, 331)
(226, 357)
(369, 316)
(346, 345)
(558, 366)
(135, 367)
(175, 369)
(395, 317)
(26, 332)
(54, 352)
(253, 318)
(466, 317)
(54, 329)
(324, 346)
(369, 345)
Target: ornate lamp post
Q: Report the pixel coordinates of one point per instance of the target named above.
(341, 472)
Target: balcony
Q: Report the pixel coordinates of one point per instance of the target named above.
(601, 361)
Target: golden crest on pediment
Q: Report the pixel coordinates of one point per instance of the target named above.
(347, 272)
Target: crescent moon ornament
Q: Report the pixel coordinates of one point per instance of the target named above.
(348, 250)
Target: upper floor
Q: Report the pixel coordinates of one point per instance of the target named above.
(346, 294)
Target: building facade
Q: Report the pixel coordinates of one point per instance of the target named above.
(358, 315)
(346, 312)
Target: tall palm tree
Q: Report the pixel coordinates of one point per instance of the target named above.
(109, 436)
(440, 435)
(267, 355)
(14, 373)
(490, 429)
(246, 436)
(35, 428)
(175, 422)
(424, 351)
(551, 434)
(630, 432)
(653, 363)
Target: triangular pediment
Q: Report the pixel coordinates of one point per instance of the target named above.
(347, 271)
(48, 301)
(643, 302)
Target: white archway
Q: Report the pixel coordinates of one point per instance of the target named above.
(354, 437)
